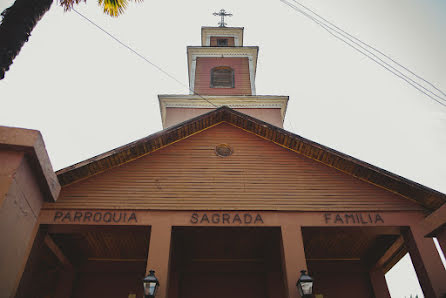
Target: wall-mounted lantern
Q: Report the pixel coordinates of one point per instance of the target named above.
(151, 284)
(305, 284)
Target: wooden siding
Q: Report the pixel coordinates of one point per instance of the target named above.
(178, 115)
(260, 175)
(213, 40)
(103, 244)
(426, 197)
(242, 82)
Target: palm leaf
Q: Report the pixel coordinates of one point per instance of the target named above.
(68, 4)
(113, 7)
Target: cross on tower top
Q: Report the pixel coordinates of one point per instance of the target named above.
(222, 13)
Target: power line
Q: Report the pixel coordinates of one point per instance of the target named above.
(389, 68)
(142, 57)
(370, 46)
(398, 74)
(393, 68)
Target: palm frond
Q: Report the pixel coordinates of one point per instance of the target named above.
(113, 7)
(68, 4)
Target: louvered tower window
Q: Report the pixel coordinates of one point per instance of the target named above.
(222, 42)
(222, 77)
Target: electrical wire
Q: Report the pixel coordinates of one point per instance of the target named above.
(373, 48)
(326, 27)
(395, 69)
(392, 70)
(383, 64)
(399, 74)
(142, 57)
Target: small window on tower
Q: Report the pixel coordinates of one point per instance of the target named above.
(222, 77)
(222, 42)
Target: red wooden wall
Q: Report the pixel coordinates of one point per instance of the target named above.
(242, 82)
(260, 175)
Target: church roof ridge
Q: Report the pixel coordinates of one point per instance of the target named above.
(425, 196)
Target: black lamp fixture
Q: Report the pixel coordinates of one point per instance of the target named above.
(151, 284)
(305, 284)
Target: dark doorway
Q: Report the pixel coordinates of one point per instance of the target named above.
(226, 262)
(340, 258)
(86, 261)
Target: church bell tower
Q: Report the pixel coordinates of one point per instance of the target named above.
(222, 72)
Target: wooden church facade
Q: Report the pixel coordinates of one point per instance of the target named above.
(223, 202)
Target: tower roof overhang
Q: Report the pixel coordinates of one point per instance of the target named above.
(233, 101)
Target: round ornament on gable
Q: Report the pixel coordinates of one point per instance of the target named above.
(223, 150)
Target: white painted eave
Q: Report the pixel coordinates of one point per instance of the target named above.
(214, 101)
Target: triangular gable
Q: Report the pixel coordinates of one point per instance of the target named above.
(258, 175)
(428, 198)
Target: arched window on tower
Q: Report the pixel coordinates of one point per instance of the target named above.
(222, 77)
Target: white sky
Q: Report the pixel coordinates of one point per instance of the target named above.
(87, 94)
